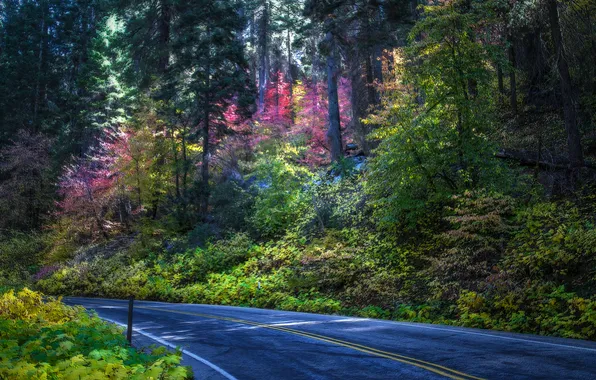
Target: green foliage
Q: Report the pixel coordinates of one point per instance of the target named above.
(40, 340)
(20, 257)
(280, 200)
(232, 205)
(221, 256)
(557, 244)
(473, 244)
(435, 119)
(336, 202)
(473, 271)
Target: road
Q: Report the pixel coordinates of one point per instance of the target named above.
(245, 343)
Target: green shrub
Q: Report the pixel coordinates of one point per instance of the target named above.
(310, 303)
(474, 242)
(556, 244)
(220, 256)
(232, 206)
(281, 199)
(41, 340)
(20, 257)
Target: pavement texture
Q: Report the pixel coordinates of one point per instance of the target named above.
(222, 342)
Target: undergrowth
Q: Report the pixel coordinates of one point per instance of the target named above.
(49, 340)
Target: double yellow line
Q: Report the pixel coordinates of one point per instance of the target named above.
(435, 368)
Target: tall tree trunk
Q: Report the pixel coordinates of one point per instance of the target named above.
(185, 163)
(500, 80)
(370, 74)
(512, 79)
(263, 54)
(174, 147)
(253, 68)
(334, 131)
(378, 71)
(358, 98)
(290, 78)
(378, 50)
(569, 97)
(165, 17)
(205, 163)
(40, 65)
(205, 166)
(138, 172)
(370, 79)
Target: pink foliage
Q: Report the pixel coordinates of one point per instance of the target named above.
(88, 185)
(312, 118)
(278, 103)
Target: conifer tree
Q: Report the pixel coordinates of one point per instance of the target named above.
(209, 70)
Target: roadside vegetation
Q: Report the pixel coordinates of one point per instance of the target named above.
(429, 161)
(49, 340)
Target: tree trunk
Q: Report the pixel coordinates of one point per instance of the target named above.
(165, 17)
(358, 98)
(500, 79)
(205, 163)
(253, 57)
(185, 163)
(370, 74)
(370, 79)
(263, 55)
(205, 166)
(574, 147)
(378, 51)
(290, 79)
(176, 161)
(512, 79)
(334, 131)
(138, 172)
(40, 65)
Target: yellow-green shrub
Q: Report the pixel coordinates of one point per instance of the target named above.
(40, 340)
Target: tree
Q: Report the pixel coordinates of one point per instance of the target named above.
(278, 108)
(26, 189)
(88, 188)
(312, 117)
(324, 12)
(148, 36)
(434, 120)
(209, 69)
(334, 130)
(568, 93)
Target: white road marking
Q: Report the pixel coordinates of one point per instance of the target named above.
(221, 371)
(490, 335)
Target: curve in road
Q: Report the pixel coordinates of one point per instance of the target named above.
(255, 344)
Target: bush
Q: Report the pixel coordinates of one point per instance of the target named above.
(474, 242)
(194, 266)
(20, 257)
(51, 340)
(557, 243)
(232, 205)
(280, 200)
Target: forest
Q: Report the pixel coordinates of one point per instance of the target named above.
(416, 160)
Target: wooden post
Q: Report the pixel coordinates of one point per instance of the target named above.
(129, 327)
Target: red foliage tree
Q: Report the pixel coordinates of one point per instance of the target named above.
(278, 102)
(89, 186)
(312, 118)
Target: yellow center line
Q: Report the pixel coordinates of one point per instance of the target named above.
(435, 368)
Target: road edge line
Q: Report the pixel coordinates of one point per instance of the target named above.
(219, 370)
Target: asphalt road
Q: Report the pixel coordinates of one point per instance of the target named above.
(245, 343)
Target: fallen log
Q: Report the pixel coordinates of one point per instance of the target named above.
(532, 158)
